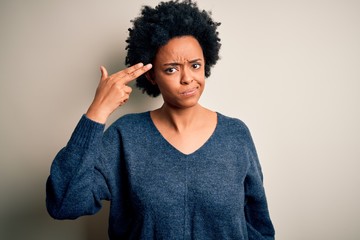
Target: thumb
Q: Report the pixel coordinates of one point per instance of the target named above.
(104, 73)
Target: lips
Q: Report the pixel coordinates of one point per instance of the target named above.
(190, 91)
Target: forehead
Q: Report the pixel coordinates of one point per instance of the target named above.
(185, 48)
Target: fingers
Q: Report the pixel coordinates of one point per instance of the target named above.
(126, 91)
(113, 91)
(129, 74)
(104, 73)
(133, 68)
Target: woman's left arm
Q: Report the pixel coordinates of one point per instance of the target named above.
(257, 215)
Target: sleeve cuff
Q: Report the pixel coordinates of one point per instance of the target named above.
(87, 133)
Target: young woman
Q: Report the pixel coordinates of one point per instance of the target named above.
(179, 172)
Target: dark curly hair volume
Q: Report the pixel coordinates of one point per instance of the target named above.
(156, 26)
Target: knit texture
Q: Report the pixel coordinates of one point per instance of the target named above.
(156, 191)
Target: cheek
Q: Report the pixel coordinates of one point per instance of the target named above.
(168, 80)
(201, 79)
(167, 84)
(201, 75)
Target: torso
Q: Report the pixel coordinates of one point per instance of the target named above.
(163, 193)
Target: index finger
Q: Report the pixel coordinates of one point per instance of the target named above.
(133, 72)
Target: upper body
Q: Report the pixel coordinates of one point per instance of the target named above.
(179, 172)
(157, 191)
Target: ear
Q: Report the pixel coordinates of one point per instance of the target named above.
(150, 77)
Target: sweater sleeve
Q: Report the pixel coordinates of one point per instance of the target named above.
(77, 181)
(258, 220)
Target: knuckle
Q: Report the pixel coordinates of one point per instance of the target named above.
(128, 89)
(127, 70)
(118, 86)
(132, 74)
(122, 94)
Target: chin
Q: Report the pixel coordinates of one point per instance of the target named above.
(188, 103)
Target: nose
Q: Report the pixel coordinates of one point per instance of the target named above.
(186, 77)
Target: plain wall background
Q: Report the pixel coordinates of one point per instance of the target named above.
(289, 69)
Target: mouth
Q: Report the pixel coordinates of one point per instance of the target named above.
(190, 91)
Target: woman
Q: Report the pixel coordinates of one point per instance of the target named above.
(179, 172)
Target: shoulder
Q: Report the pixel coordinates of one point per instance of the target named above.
(237, 132)
(235, 129)
(132, 119)
(133, 122)
(232, 124)
(133, 116)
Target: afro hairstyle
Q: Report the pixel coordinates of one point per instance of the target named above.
(156, 26)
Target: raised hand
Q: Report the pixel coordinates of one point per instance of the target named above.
(113, 91)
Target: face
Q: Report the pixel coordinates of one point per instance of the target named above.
(178, 70)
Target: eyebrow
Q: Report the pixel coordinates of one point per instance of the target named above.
(176, 63)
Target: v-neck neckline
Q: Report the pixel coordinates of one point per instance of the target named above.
(176, 149)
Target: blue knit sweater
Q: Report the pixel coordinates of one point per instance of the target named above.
(157, 192)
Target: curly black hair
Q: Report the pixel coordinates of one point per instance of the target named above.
(156, 26)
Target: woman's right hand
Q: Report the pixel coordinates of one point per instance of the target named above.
(113, 91)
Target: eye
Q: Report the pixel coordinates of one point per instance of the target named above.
(196, 65)
(170, 70)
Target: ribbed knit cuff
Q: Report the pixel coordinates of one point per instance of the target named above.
(87, 133)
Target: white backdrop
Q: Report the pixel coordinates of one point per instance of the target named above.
(289, 69)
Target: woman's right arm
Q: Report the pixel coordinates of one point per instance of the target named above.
(77, 181)
(79, 178)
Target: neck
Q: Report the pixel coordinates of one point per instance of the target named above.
(180, 119)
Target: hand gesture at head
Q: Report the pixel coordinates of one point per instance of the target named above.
(113, 91)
